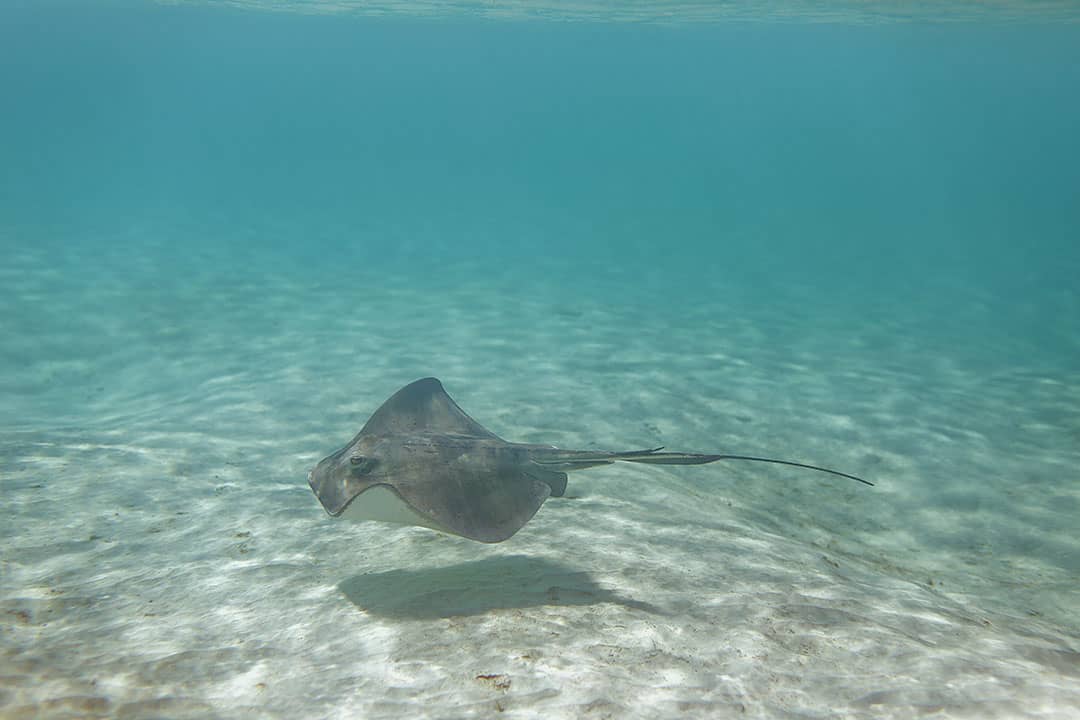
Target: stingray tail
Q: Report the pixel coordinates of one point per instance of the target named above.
(580, 460)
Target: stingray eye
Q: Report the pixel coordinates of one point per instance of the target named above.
(362, 465)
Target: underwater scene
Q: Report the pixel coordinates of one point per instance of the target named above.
(630, 240)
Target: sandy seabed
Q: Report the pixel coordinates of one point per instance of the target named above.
(161, 554)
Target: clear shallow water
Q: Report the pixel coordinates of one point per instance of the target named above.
(228, 235)
(675, 11)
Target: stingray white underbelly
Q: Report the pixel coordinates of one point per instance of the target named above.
(382, 504)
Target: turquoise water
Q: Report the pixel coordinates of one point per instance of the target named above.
(846, 235)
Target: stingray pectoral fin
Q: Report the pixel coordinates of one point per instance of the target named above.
(487, 506)
(423, 405)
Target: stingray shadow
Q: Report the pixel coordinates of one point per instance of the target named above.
(473, 588)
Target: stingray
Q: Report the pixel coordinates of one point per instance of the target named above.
(420, 460)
